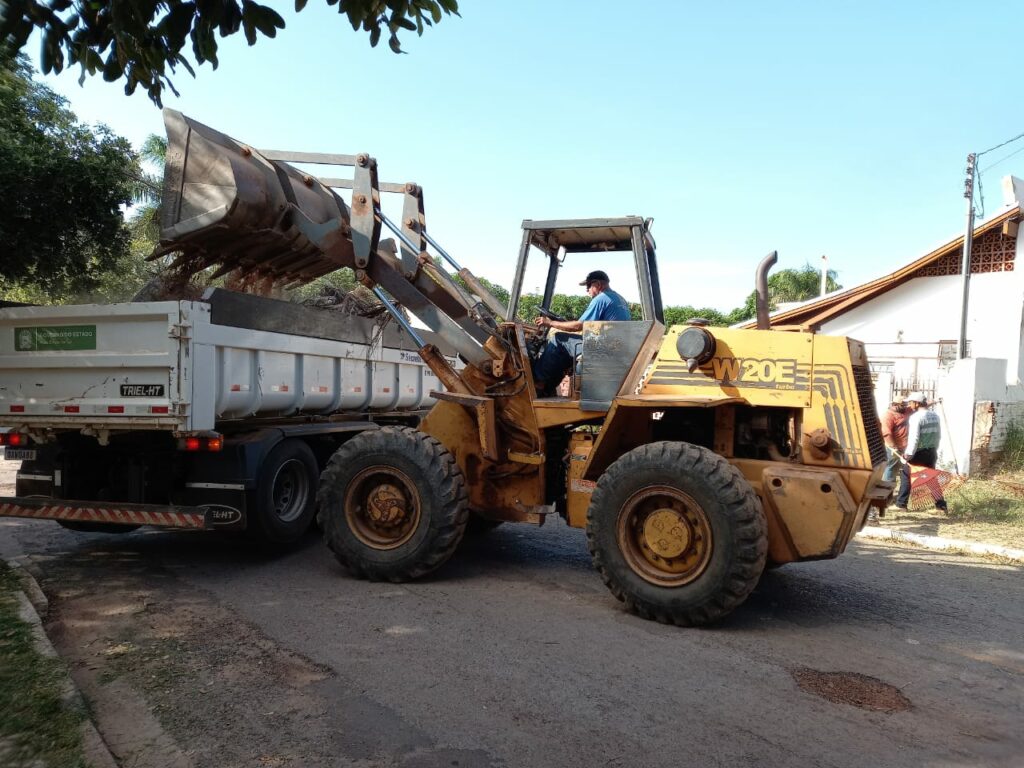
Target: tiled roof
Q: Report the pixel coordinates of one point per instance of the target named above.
(812, 314)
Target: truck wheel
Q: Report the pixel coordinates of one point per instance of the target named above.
(392, 504)
(286, 493)
(677, 533)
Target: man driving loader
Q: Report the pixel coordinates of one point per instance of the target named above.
(561, 347)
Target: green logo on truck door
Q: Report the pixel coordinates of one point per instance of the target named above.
(46, 338)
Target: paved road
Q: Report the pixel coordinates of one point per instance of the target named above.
(516, 655)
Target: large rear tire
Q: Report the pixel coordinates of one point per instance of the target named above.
(677, 533)
(392, 504)
(285, 493)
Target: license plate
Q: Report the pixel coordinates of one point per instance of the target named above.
(20, 454)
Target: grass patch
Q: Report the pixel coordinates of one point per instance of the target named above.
(987, 510)
(1012, 457)
(36, 729)
(986, 501)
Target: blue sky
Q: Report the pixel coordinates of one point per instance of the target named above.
(740, 127)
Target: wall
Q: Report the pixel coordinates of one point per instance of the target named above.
(976, 398)
(955, 399)
(976, 407)
(906, 323)
(992, 421)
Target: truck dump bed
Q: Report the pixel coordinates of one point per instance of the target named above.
(187, 366)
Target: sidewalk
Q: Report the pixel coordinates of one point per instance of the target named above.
(896, 536)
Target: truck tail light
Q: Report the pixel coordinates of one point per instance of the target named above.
(71, 409)
(115, 409)
(17, 409)
(13, 438)
(159, 409)
(194, 444)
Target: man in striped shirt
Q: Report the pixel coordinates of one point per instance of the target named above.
(923, 434)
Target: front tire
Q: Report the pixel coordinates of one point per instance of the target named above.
(392, 504)
(677, 533)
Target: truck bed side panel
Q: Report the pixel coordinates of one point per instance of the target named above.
(164, 365)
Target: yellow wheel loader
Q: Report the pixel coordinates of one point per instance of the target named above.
(693, 456)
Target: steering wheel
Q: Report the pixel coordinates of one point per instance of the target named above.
(549, 315)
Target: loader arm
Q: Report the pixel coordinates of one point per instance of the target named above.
(255, 215)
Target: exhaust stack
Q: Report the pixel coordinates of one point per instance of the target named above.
(761, 287)
(764, 322)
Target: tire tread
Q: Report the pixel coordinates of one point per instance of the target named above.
(448, 487)
(738, 500)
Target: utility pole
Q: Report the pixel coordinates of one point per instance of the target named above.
(965, 266)
(824, 275)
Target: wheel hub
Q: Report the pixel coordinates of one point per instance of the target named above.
(666, 533)
(387, 506)
(664, 536)
(382, 507)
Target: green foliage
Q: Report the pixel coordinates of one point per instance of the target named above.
(679, 315)
(143, 41)
(36, 728)
(571, 307)
(784, 285)
(1012, 458)
(342, 280)
(787, 285)
(986, 501)
(147, 193)
(498, 292)
(62, 186)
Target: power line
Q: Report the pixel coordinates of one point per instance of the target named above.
(981, 197)
(986, 169)
(997, 146)
(992, 165)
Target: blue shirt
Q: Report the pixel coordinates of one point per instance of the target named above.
(607, 305)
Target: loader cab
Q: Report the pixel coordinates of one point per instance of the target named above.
(609, 355)
(556, 239)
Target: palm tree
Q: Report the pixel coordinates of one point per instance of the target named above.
(788, 285)
(147, 192)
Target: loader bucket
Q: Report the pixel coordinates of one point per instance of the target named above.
(226, 205)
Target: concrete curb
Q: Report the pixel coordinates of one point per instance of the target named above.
(940, 543)
(30, 600)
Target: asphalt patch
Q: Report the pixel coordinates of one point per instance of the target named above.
(852, 688)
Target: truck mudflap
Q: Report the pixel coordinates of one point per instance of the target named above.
(111, 513)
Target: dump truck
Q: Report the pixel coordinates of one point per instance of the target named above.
(213, 414)
(693, 456)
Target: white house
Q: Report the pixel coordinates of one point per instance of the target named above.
(909, 321)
